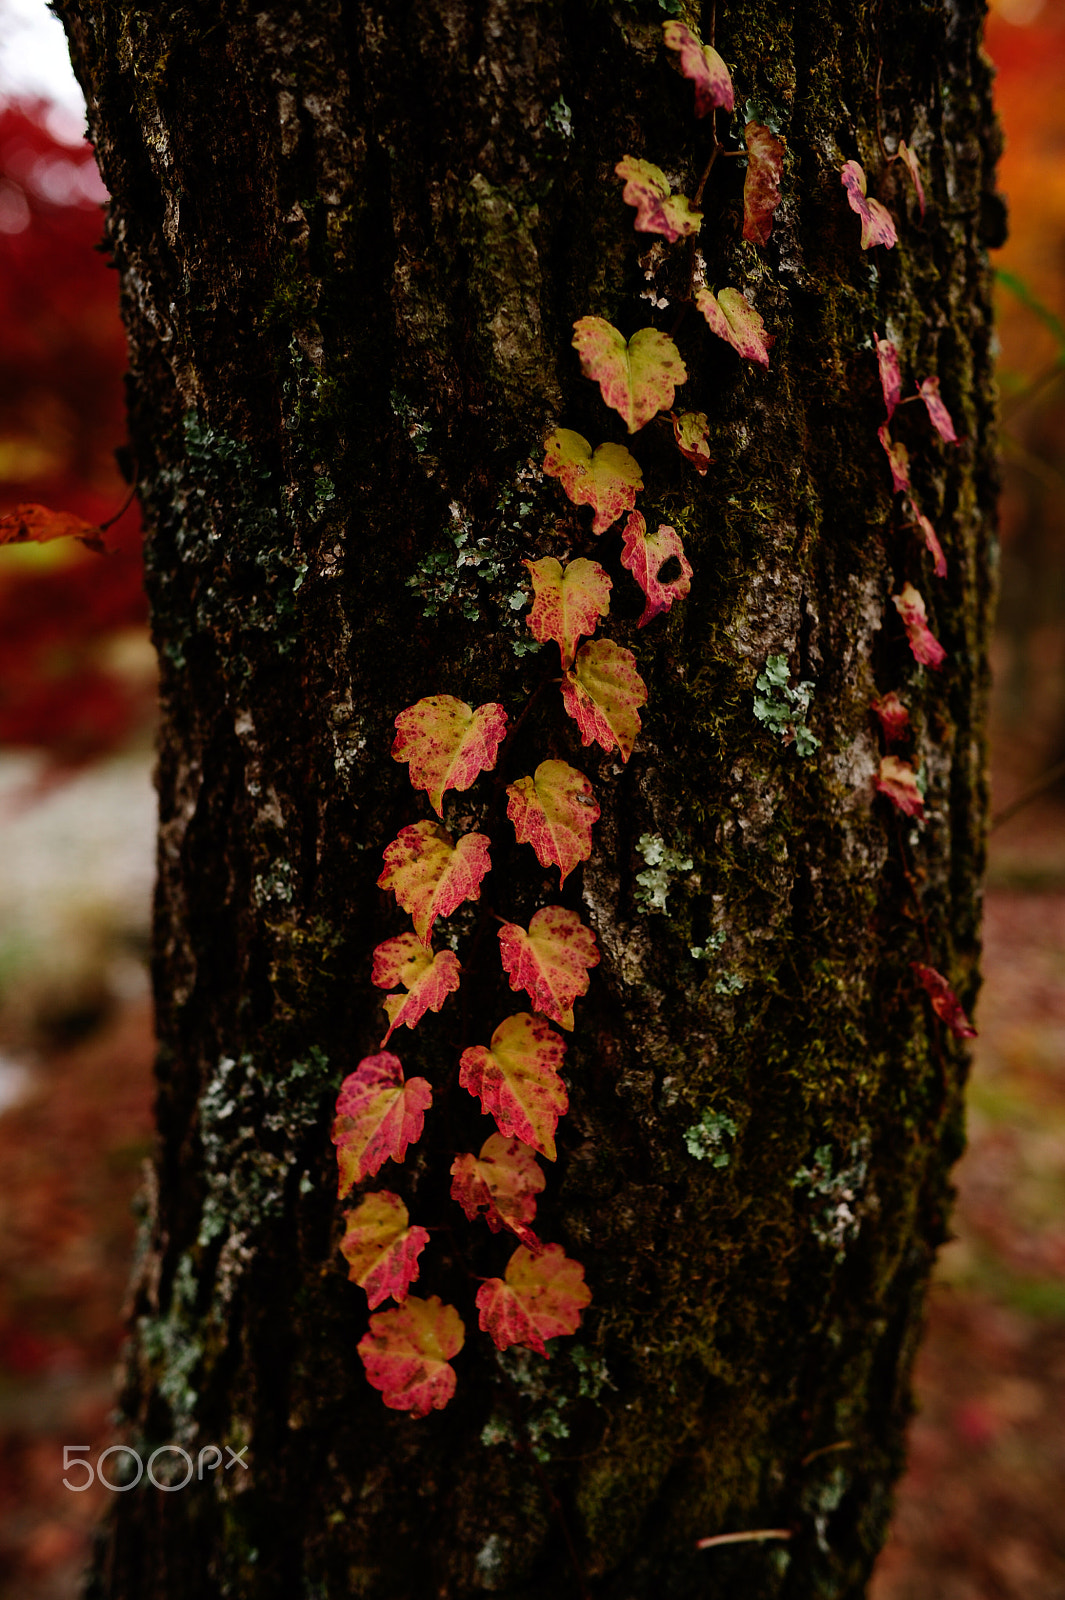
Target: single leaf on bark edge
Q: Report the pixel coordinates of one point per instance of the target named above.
(893, 716)
(938, 414)
(945, 1002)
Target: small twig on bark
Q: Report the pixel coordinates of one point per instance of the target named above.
(753, 1535)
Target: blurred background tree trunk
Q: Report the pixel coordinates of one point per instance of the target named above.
(352, 247)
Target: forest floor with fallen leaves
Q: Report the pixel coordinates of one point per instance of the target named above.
(980, 1512)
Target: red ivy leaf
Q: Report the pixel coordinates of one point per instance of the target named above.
(637, 377)
(923, 642)
(517, 1082)
(702, 64)
(691, 430)
(647, 556)
(730, 316)
(894, 718)
(761, 186)
(898, 458)
(658, 209)
(937, 411)
(377, 1116)
(554, 811)
(890, 374)
(428, 976)
(606, 480)
(907, 156)
(503, 1182)
(430, 874)
(567, 604)
(40, 525)
(945, 1002)
(542, 1296)
(381, 1248)
(407, 1354)
(935, 549)
(603, 692)
(898, 781)
(877, 226)
(447, 744)
(550, 961)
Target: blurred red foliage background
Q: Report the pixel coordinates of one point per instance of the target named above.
(980, 1513)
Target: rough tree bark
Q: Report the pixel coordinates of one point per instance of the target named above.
(352, 243)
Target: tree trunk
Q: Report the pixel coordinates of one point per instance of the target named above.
(353, 243)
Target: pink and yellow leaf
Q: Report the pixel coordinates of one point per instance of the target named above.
(407, 1353)
(378, 1114)
(898, 781)
(567, 604)
(554, 811)
(606, 480)
(647, 556)
(923, 642)
(503, 1182)
(603, 692)
(447, 744)
(550, 961)
(430, 875)
(381, 1248)
(702, 64)
(637, 377)
(733, 319)
(761, 186)
(877, 226)
(658, 209)
(541, 1297)
(516, 1080)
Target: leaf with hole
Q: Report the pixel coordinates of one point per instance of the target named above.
(430, 874)
(637, 377)
(541, 1297)
(658, 563)
(658, 209)
(923, 642)
(378, 1114)
(761, 186)
(447, 744)
(938, 414)
(567, 604)
(516, 1080)
(733, 319)
(691, 431)
(603, 693)
(381, 1248)
(554, 811)
(945, 1002)
(503, 1182)
(407, 1354)
(606, 479)
(702, 64)
(877, 226)
(428, 976)
(550, 961)
(898, 781)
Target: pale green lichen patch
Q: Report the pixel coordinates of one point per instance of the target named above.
(653, 884)
(784, 708)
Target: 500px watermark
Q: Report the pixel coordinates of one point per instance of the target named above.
(208, 1459)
